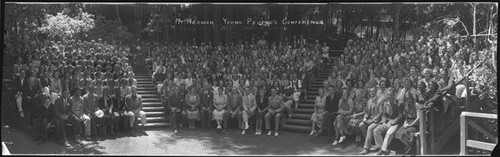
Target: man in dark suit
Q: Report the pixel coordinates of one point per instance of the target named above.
(206, 106)
(19, 83)
(175, 107)
(31, 96)
(62, 110)
(331, 107)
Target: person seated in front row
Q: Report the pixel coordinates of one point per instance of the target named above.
(175, 107)
(319, 111)
(249, 107)
(91, 109)
(343, 117)
(192, 106)
(220, 103)
(62, 112)
(358, 111)
(391, 121)
(44, 119)
(371, 119)
(109, 106)
(78, 117)
(262, 101)
(134, 106)
(207, 100)
(274, 110)
(406, 134)
(234, 108)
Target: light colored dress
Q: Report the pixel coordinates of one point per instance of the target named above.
(193, 113)
(219, 101)
(317, 117)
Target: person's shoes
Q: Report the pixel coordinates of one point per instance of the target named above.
(317, 134)
(312, 133)
(269, 133)
(175, 131)
(335, 143)
(66, 143)
(87, 138)
(342, 138)
(246, 126)
(276, 133)
(374, 149)
(224, 130)
(219, 127)
(243, 132)
(382, 152)
(78, 141)
(256, 132)
(21, 113)
(40, 142)
(407, 151)
(289, 115)
(365, 151)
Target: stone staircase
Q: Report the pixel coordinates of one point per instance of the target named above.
(301, 118)
(150, 98)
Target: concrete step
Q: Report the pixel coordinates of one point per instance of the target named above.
(154, 114)
(142, 88)
(147, 92)
(157, 125)
(145, 85)
(301, 116)
(152, 109)
(149, 95)
(155, 119)
(157, 99)
(304, 110)
(296, 128)
(152, 104)
(144, 80)
(300, 122)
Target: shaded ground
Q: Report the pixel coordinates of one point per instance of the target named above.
(187, 142)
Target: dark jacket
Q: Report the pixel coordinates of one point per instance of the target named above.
(207, 99)
(176, 100)
(61, 109)
(262, 101)
(332, 102)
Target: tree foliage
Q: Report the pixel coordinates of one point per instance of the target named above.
(62, 26)
(110, 30)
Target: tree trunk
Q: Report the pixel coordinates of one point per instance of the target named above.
(206, 11)
(217, 23)
(474, 25)
(396, 21)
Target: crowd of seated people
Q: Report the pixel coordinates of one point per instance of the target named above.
(83, 87)
(376, 88)
(233, 81)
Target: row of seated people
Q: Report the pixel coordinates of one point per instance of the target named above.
(76, 67)
(384, 83)
(257, 101)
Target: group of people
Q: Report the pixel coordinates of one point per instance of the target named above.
(374, 91)
(376, 88)
(88, 86)
(234, 81)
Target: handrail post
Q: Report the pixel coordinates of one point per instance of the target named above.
(463, 134)
(423, 139)
(432, 130)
